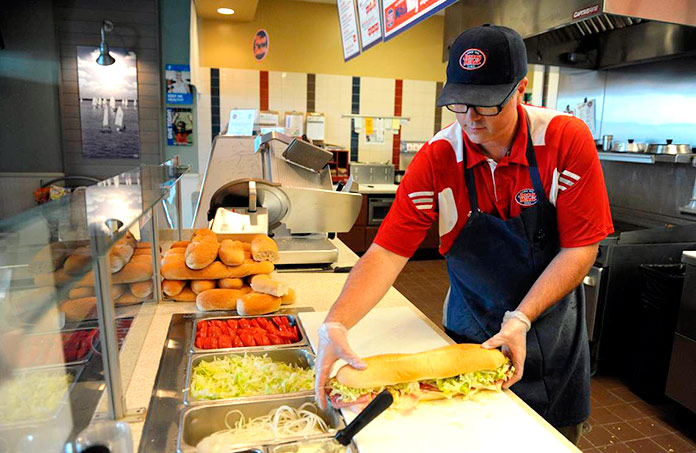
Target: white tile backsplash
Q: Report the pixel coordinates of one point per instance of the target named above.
(239, 89)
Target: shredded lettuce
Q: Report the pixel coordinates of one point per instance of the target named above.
(450, 387)
(33, 396)
(236, 376)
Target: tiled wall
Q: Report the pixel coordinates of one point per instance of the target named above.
(332, 95)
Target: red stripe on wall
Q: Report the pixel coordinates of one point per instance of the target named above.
(263, 90)
(396, 137)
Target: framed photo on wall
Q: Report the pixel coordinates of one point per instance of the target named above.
(179, 127)
(108, 98)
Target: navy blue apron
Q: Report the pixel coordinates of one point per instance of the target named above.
(492, 265)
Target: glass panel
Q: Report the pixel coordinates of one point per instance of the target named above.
(51, 370)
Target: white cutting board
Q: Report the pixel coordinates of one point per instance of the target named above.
(491, 422)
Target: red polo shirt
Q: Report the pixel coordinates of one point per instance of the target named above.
(433, 188)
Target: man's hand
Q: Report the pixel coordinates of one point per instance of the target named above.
(513, 340)
(333, 345)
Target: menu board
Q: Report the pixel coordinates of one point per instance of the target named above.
(349, 28)
(370, 23)
(399, 15)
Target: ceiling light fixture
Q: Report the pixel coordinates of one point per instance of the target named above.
(105, 59)
(225, 11)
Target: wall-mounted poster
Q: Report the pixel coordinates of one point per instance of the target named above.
(261, 45)
(179, 127)
(178, 84)
(399, 15)
(348, 23)
(108, 104)
(370, 23)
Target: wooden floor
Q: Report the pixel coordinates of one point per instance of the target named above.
(619, 420)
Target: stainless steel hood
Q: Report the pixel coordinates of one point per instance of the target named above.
(587, 34)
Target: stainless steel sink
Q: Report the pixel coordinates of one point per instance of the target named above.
(199, 422)
(294, 356)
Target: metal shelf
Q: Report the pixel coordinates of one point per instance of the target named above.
(642, 158)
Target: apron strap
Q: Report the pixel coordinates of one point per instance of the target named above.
(470, 186)
(533, 167)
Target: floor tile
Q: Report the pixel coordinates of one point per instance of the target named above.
(608, 382)
(615, 448)
(599, 436)
(626, 411)
(645, 446)
(624, 431)
(649, 426)
(584, 443)
(604, 397)
(625, 394)
(602, 416)
(672, 443)
(647, 408)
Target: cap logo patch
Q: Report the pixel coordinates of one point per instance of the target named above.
(526, 197)
(472, 59)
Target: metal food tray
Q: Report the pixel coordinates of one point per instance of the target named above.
(294, 319)
(76, 371)
(197, 423)
(296, 356)
(74, 363)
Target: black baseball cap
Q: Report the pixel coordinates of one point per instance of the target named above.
(485, 64)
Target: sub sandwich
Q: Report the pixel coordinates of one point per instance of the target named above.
(446, 372)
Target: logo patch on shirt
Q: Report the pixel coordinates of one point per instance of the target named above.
(526, 197)
(472, 59)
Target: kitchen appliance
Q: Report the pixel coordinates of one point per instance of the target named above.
(607, 141)
(377, 209)
(611, 290)
(682, 366)
(631, 146)
(271, 184)
(668, 148)
(372, 173)
(585, 35)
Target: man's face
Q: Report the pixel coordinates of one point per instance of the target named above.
(486, 129)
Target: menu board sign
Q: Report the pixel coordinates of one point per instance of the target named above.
(399, 15)
(349, 28)
(370, 23)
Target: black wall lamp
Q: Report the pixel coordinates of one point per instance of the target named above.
(105, 59)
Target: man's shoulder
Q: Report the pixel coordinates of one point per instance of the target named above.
(446, 145)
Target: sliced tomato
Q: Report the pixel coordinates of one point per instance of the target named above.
(296, 332)
(244, 323)
(286, 335)
(253, 322)
(207, 343)
(247, 339)
(199, 342)
(285, 320)
(225, 341)
(263, 323)
(274, 339)
(259, 339)
(214, 342)
(232, 324)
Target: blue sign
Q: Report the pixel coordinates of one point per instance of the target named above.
(178, 84)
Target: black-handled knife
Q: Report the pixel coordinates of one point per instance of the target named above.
(376, 407)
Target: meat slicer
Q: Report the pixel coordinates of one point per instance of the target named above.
(280, 186)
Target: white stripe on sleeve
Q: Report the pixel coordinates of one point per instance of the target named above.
(421, 194)
(570, 174)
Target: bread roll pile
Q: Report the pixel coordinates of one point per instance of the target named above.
(226, 275)
(130, 263)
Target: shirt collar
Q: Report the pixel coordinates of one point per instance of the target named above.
(518, 153)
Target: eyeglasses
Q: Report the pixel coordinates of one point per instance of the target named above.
(481, 110)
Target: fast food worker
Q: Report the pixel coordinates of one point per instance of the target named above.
(520, 201)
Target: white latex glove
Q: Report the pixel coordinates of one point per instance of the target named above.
(333, 345)
(512, 339)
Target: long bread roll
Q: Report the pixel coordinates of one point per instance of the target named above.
(202, 250)
(138, 269)
(264, 283)
(129, 298)
(186, 295)
(251, 267)
(79, 261)
(257, 304)
(198, 286)
(264, 248)
(57, 278)
(174, 268)
(180, 245)
(141, 289)
(220, 299)
(173, 287)
(289, 298)
(121, 252)
(78, 309)
(88, 291)
(230, 283)
(440, 363)
(231, 252)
